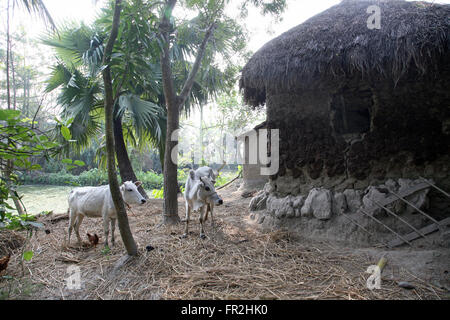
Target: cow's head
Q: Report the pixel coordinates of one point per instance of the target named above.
(130, 193)
(207, 192)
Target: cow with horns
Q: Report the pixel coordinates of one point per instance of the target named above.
(200, 195)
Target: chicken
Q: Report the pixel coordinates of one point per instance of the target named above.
(93, 239)
(4, 262)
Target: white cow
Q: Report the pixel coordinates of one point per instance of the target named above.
(200, 195)
(208, 172)
(96, 202)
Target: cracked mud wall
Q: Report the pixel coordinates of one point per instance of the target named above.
(361, 134)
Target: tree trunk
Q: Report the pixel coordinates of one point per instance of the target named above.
(125, 232)
(125, 167)
(170, 215)
(202, 148)
(173, 106)
(7, 172)
(13, 81)
(9, 164)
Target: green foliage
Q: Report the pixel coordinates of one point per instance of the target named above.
(106, 250)
(14, 221)
(182, 174)
(94, 177)
(78, 75)
(66, 133)
(28, 255)
(18, 143)
(150, 179)
(158, 193)
(225, 177)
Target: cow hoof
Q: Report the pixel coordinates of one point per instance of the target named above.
(184, 236)
(202, 236)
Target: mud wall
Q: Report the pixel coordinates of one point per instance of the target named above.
(345, 140)
(359, 134)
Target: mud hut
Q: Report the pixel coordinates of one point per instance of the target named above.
(252, 179)
(362, 110)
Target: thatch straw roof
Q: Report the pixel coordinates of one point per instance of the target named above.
(337, 44)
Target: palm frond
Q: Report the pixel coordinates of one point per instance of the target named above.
(38, 7)
(148, 118)
(59, 76)
(76, 45)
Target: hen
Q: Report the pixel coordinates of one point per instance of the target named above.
(4, 262)
(93, 239)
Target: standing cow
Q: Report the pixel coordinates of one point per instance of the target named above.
(95, 202)
(200, 195)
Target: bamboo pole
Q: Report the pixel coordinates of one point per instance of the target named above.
(412, 205)
(398, 217)
(375, 219)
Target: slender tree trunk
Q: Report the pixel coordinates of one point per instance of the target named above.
(8, 90)
(125, 231)
(170, 172)
(9, 164)
(202, 149)
(125, 167)
(174, 103)
(13, 81)
(170, 213)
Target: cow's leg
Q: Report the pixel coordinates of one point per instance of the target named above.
(206, 214)
(211, 209)
(72, 220)
(106, 229)
(80, 218)
(201, 219)
(113, 228)
(188, 214)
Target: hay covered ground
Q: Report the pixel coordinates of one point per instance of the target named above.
(236, 261)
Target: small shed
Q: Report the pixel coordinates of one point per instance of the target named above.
(251, 164)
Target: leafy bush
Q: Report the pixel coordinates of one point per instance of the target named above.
(158, 193)
(95, 177)
(150, 179)
(18, 143)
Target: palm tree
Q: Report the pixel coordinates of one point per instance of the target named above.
(77, 73)
(139, 117)
(38, 7)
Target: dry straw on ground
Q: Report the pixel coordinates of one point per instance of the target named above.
(9, 241)
(236, 261)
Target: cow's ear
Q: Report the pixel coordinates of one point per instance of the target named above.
(192, 174)
(138, 183)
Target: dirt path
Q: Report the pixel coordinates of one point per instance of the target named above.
(236, 261)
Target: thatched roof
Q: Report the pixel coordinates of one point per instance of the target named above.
(337, 44)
